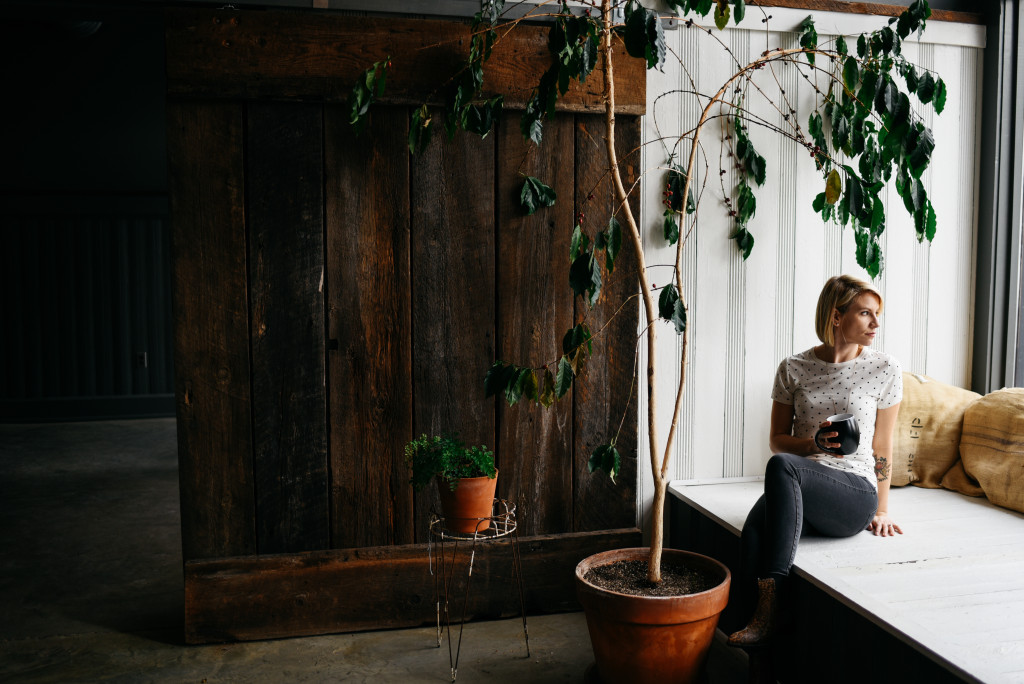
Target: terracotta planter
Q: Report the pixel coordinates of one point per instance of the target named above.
(651, 639)
(472, 500)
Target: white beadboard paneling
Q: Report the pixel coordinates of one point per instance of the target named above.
(745, 316)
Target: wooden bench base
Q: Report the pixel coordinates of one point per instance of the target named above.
(942, 603)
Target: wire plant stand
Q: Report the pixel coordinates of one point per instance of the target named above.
(443, 548)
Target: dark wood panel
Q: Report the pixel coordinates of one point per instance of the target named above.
(251, 54)
(284, 212)
(369, 321)
(374, 588)
(211, 326)
(535, 308)
(452, 294)
(602, 395)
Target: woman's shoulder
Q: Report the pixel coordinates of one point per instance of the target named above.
(884, 359)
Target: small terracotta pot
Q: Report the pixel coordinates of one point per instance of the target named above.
(472, 500)
(651, 639)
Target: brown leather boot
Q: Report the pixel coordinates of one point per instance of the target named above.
(762, 625)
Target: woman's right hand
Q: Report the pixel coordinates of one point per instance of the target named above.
(823, 439)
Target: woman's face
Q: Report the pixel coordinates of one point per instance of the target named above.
(860, 322)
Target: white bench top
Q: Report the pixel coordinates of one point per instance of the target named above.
(952, 584)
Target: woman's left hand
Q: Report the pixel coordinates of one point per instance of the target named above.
(883, 526)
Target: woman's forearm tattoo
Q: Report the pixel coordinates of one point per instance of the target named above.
(882, 468)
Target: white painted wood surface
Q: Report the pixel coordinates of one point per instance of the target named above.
(744, 317)
(952, 584)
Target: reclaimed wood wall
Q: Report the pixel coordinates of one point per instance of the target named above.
(336, 296)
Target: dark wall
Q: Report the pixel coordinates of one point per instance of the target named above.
(84, 284)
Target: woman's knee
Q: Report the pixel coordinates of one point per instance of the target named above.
(781, 466)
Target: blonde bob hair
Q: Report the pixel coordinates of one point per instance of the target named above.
(837, 295)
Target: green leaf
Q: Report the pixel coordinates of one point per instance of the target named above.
(851, 73)
(563, 378)
(921, 154)
(833, 187)
(670, 307)
(577, 345)
(878, 218)
(605, 457)
(667, 301)
(613, 243)
(888, 39)
(854, 196)
(676, 182)
(930, 221)
(809, 37)
(585, 277)
(531, 124)
(670, 227)
(721, 15)
(886, 97)
(740, 11)
(868, 85)
(547, 393)
(679, 317)
(535, 195)
(480, 118)
(940, 96)
(578, 243)
(841, 46)
(746, 204)
(516, 387)
(862, 46)
(498, 378)
(744, 240)
(419, 130)
(644, 35)
(926, 88)
(819, 202)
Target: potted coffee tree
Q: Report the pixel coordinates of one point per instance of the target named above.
(863, 133)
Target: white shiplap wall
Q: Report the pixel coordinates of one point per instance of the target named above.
(745, 316)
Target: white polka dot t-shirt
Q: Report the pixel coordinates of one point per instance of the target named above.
(818, 389)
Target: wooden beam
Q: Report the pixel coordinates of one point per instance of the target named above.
(878, 9)
(280, 54)
(319, 592)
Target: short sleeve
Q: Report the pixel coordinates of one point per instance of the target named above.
(782, 390)
(892, 390)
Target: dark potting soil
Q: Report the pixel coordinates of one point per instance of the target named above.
(630, 577)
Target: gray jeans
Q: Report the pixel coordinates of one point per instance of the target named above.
(801, 495)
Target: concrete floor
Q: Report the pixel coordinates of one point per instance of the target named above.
(91, 585)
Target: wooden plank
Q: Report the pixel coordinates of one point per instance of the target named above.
(879, 9)
(252, 54)
(603, 396)
(369, 324)
(372, 588)
(284, 212)
(211, 323)
(535, 308)
(453, 256)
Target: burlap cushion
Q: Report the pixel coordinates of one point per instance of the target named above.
(958, 480)
(992, 446)
(927, 436)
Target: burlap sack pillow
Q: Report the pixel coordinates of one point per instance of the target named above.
(992, 446)
(926, 444)
(958, 480)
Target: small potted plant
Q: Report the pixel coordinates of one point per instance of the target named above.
(466, 479)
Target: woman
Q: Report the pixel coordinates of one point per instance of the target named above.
(804, 488)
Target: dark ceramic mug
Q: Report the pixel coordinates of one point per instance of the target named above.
(848, 438)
